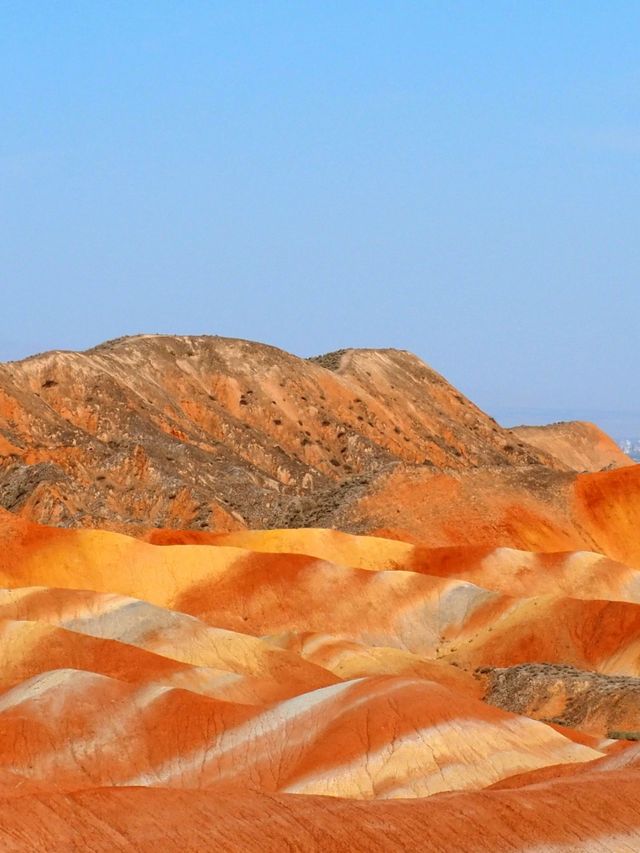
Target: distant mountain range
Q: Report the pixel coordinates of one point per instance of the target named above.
(631, 446)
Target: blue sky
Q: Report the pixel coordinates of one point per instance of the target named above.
(461, 179)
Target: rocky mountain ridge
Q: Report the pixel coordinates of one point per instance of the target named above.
(218, 433)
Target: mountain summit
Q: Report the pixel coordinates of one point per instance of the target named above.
(218, 433)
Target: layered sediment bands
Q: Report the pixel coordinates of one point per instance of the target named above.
(267, 673)
(217, 433)
(578, 574)
(435, 645)
(378, 737)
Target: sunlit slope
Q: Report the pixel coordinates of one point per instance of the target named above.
(217, 433)
(273, 666)
(532, 509)
(216, 663)
(581, 445)
(267, 595)
(578, 574)
(369, 738)
(359, 552)
(575, 574)
(165, 632)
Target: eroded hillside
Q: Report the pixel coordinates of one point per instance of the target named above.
(220, 434)
(440, 628)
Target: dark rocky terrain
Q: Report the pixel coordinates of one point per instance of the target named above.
(567, 696)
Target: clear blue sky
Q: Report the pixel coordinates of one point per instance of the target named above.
(461, 179)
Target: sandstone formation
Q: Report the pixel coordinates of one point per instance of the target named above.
(271, 668)
(564, 815)
(322, 605)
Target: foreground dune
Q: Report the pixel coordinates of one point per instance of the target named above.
(384, 737)
(266, 668)
(562, 816)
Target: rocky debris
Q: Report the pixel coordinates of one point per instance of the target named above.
(562, 694)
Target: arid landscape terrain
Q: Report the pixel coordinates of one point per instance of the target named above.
(254, 602)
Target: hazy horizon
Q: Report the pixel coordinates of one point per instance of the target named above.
(456, 179)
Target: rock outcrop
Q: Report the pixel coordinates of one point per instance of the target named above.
(214, 433)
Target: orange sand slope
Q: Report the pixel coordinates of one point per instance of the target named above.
(531, 509)
(534, 509)
(582, 446)
(202, 696)
(563, 816)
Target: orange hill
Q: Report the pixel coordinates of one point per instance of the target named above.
(429, 639)
(580, 445)
(217, 433)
